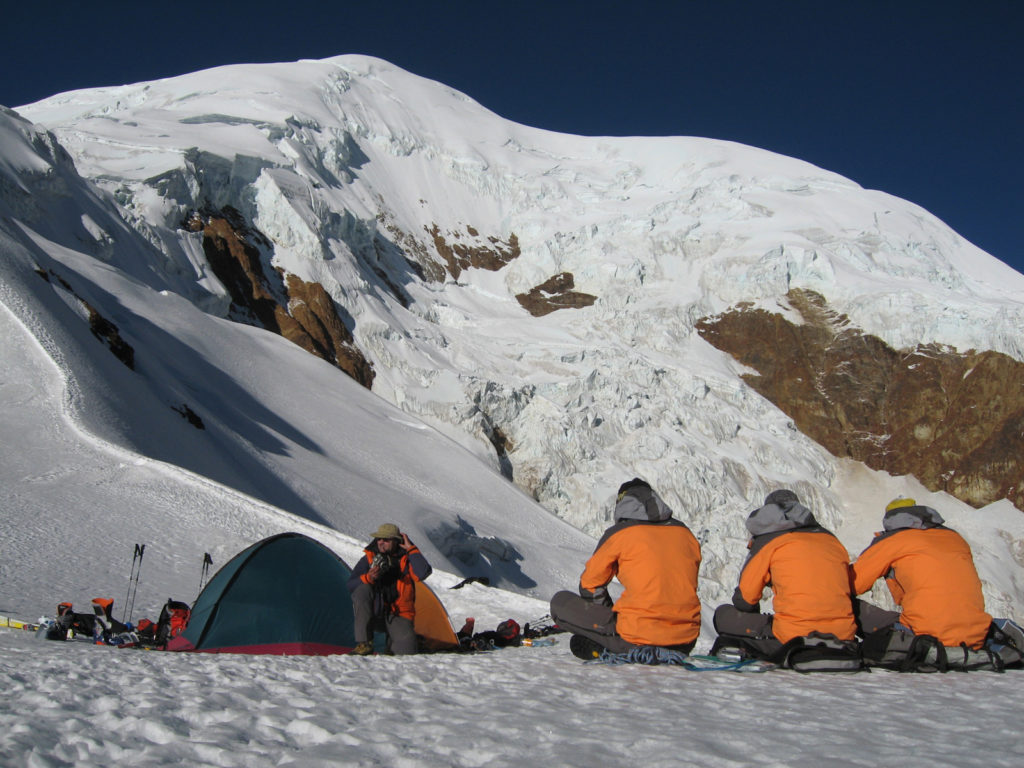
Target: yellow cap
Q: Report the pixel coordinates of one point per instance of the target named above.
(900, 502)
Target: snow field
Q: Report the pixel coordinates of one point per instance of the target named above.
(74, 703)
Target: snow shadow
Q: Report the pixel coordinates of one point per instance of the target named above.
(471, 554)
(171, 404)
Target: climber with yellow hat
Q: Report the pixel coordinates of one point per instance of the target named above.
(930, 573)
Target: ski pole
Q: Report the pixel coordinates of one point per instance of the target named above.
(131, 577)
(207, 562)
(138, 576)
(133, 582)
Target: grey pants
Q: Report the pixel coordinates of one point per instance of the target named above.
(871, 618)
(590, 619)
(400, 631)
(594, 621)
(754, 628)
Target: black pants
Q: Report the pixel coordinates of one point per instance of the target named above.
(870, 618)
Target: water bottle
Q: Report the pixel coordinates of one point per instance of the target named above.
(538, 642)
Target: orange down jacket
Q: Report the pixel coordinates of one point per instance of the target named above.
(809, 573)
(656, 563)
(412, 567)
(930, 573)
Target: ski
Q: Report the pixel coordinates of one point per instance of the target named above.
(9, 622)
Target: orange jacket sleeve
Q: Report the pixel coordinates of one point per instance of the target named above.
(754, 577)
(873, 563)
(600, 569)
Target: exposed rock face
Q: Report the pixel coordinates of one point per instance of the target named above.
(454, 250)
(492, 253)
(955, 421)
(302, 312)
(311, 321)
(107, 332)
(102, 328)
(554, 293)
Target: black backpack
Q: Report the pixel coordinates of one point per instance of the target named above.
(816, 652)
(819, 652)
(904, 651)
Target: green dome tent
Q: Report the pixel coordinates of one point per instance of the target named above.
(286, 594)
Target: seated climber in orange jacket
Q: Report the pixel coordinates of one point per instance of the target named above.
(808, 570)
(656, 558)
(930, 573)
(383, 591)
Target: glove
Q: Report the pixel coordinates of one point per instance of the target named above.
(743, 605)
(599, 596)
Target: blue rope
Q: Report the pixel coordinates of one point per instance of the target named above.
(652, 655)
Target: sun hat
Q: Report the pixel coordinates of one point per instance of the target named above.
(900, 501)
(387, 531)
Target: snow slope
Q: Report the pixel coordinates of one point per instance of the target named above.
(71, 704)
(73, 505)
(365, 461)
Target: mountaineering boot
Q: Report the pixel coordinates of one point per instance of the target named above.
(365, 648)
(1012, 632)
(584, 648)
(1006, 640)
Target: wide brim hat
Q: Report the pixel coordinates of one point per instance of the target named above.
(387, 531)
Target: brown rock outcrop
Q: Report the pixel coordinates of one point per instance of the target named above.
(311, 321)
(955, 421)
(492, 254)
(100, 327)
(458, 249)
(302, 312)
(554, 293)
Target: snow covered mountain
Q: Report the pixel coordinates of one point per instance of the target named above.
(542, 300)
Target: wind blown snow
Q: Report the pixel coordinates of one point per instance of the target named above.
(70, 703)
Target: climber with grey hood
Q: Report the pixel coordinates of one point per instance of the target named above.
(930, 573)
(808, 570)
(656, 558)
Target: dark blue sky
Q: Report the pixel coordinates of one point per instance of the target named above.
(919, 98)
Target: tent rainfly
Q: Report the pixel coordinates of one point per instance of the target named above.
(286, 594)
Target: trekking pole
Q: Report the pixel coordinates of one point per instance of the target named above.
(131, 578)
(207, 562)
(133, 582)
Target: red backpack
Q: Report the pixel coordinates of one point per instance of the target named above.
(173, 619)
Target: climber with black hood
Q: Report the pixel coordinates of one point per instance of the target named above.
(656, 558)
(808, 570)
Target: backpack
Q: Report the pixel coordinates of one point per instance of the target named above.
(105, 624)
(1006, 640)
(507, 633)
(816, 652)
(819, 652)
(173, 619)
(903, 651)
(146, 630)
